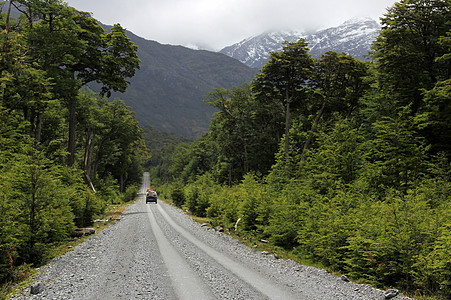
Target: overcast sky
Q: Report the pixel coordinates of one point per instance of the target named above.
(214, 24)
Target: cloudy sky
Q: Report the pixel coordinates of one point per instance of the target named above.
(214, 24)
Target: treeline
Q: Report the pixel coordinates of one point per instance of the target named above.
(65, 153)
(341, 162)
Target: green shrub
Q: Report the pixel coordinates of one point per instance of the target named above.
(130, 193)
(192, 197)
(108, 190)
(432, 271)
(178, 196)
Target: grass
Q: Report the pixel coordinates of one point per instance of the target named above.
(111, 215)
(23, 275)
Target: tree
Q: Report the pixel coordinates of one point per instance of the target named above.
(437, 117)
(398, 154)
(112, 138)
(437, 112)
(407, 48)
(119, 61)
(340, 84)
(75, 50)
(40, 202)
(241, 135)
(23, 86)
(338, 158)
(283, 80)
(413, 68)
(14, 144)
(45, 57)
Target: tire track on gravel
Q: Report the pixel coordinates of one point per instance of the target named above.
(186, 282)
(255, 280)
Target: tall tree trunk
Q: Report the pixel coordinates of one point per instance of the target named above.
(99, 154)
(72, 127)
(287, 133)
(314, 127)
(5, 40)
(230, 175)
(38, 129)
(246, 160)
(87, 162)
(88, 181)
(122, 182)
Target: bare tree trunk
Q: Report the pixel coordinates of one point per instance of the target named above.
(89, 182)
(87, 163)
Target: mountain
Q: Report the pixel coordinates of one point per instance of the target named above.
(353, 37)
(254, 51)
(167, 92)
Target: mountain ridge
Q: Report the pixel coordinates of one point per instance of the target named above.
(167, 92)
(354, 37)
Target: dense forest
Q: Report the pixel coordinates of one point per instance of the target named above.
(338, 162)
(65, 152)
(341, 163)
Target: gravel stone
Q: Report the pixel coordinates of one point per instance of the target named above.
(124, 262)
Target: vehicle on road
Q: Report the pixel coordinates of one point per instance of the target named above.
(151, 196)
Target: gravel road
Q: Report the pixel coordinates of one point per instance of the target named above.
(157, 252)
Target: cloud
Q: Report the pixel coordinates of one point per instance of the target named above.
(218, 23)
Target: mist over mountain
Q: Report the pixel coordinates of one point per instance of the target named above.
(353, 37)
(167, 92)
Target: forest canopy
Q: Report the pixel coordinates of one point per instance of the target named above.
(65, 152)
(340, 162)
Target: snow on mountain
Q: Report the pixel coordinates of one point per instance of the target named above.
(354, 37)
(254, 51)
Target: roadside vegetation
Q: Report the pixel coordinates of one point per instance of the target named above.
(341, 163)
(67, 155)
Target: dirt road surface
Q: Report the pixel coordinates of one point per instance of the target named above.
(157, 252)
